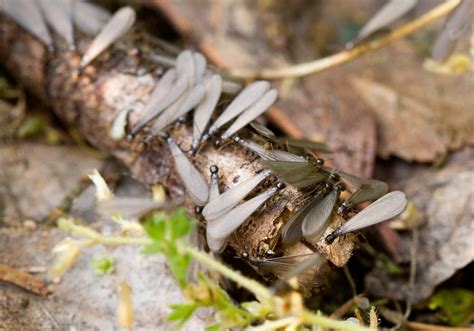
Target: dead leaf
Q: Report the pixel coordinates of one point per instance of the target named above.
(445, 240)
(406, 127)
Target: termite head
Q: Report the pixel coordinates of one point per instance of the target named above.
(280, 185)
(166, 135)
(245, 255)
(198, 209)
(214, 169)
(217, 143)
(237, 139)
(319, 162)
(343, 208)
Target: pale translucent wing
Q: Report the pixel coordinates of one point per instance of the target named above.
(159, 93)
(308, 268)
(299, 174)
(388, 14)
(385, 208)
(193, 181)
(248, 96)
(90, 18)
(262, 130)
(374, 189)
(180, 108)
(271, 155)
(251, 113)
(458, 24)
(185, 67)
(214, 189)
(58, 15)
(206, 107)
(199, 66)
(127, 207)
(230, 198)
(27, 14)
(317, 219)
(216, 245)
(225, 225)
(120, 23)
(293, 232)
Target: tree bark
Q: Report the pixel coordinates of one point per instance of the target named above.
(119, 80)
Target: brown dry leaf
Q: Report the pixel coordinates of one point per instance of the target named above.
(406, 127)
(445, 199)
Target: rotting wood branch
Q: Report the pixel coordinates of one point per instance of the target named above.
(121, 80)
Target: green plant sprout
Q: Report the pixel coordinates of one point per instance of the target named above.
(167, 235)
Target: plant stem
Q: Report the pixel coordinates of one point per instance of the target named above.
(259, 290)
(275, 325)
(326, 322)
(312, 67)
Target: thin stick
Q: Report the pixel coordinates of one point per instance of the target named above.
(312, 67)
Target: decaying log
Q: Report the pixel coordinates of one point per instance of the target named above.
(120, 80)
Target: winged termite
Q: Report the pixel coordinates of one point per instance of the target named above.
(317, 219)
(389, 13)
(204, 110)
(309, 269)
(293, 231)
(27, 14)
(383, 209)
(251, 113)
(157, 103)
(231, 198)
(458, 24)
(59, 16)
(246, 98)
(193, 181)
(269, 154)
(220, 228)
(120, 23)
(371, 189)
(89, 18)
(180, 108)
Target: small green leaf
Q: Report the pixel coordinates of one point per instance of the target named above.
(454, 306)
(214, 327)
(154, 248)
(155, 226)
(178, 265)
(181, 225)
(103, 264)
(32, 126)
(181, 312)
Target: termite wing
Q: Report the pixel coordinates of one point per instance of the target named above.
(251, 113)
(128, 207)
(293, 229)
(317, 219)
(370, 189)
(203, 112)
(383, 209)
(120, 23)
(231, 198)
(196, 186)
(309, 269)
(300, 174)
(246, 98)
(90, 18)
(458, 24)
(269, 154)
(59, 16)
(217, 243)
(222, 227)
(388, 14)
(28, 15)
